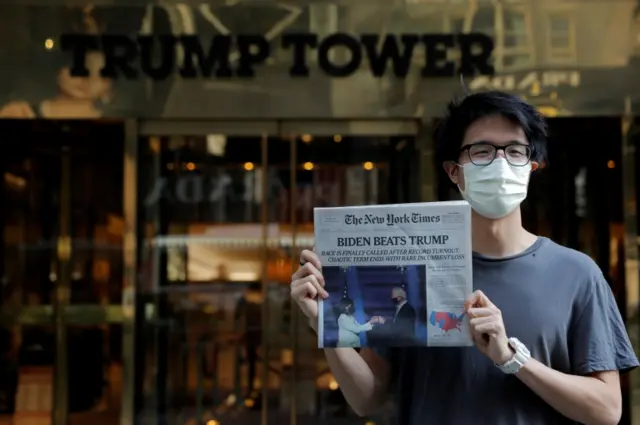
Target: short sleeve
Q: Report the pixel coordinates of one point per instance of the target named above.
(598, 339)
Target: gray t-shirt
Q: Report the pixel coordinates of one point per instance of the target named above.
(553, 299)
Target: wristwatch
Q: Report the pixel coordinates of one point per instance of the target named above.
(521, 356)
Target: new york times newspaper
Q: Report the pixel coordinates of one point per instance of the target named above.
(397, 275)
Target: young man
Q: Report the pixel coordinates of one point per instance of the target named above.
(550, 343)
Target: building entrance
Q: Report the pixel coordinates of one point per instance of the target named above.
(63, 271)
(225, 208)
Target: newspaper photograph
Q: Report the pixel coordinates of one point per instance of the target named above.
(397, 275)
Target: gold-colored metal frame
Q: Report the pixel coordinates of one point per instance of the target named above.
(289, 129)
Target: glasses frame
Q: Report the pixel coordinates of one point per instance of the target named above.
(495, 153)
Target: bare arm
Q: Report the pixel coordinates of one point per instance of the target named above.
(592, 400)
(363, 377)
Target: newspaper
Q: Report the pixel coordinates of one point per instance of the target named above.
(397, 275)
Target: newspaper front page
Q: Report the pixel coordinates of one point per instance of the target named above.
(397, 275)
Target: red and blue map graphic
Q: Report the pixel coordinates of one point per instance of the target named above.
(445, 320)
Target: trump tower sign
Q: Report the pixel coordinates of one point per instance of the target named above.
(160, 56)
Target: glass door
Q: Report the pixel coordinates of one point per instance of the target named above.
(62, 271)
(206, 194)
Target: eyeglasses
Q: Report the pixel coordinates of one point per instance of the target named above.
(483, 153)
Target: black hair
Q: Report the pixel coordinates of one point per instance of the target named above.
(344, 303)
(461, 113)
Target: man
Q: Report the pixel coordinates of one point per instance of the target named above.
(402, 327)
(550, 343)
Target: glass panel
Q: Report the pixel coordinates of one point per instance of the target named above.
(484, 21)
(29, 214)
(203, 261)
(583, 217)
(559, 24)
(97, 221)
(336, 171)
(32, 172)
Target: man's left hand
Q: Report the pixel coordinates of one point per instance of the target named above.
(487, 328)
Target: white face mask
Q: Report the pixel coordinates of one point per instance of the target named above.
(495, 190)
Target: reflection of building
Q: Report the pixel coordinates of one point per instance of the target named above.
(157, 218)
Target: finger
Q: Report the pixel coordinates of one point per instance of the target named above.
(307, 256)
(478, 299)
(306, 270)
(480, 312)
(303, 291)
(472, 300)
(477, 339)
(313, 279)
(491, 328)
(480, 320)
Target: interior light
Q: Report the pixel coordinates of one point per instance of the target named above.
(213, 422)
(337, 138)
(368, 165)
(611, 164)
(306, 138)
(308, 166)
(243, 276)
(333, 385)
(48, 44)
(249, 403)
(248, 166)
(191, 166)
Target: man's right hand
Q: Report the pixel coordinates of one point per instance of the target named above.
(307, 284)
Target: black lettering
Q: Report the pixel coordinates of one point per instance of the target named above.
(300, 43)
(401, 62)
(120, 52)
(339, 40)
(79, 45)
(471, 60)
(254, 50)
(166, 64)
(219, 50)
(436, 46)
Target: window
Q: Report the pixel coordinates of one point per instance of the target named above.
(514, 49)
(561, 38)
(517, 40)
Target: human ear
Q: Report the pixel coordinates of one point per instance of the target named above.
(534, 166)
(452, 170)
